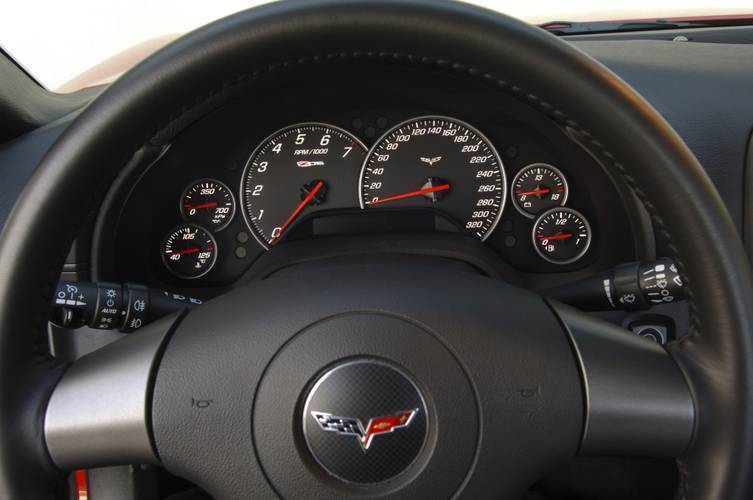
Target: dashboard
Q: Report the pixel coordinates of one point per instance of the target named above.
(436, 156)
(210, 204)
(123, 239)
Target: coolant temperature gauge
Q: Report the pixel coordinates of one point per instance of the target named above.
(189, 251)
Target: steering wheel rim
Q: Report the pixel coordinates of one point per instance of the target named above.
(716, 357)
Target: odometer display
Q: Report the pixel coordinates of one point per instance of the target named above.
(437, 163)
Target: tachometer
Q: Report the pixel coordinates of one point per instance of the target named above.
(296, 170)
(439, 163)
(561, 235)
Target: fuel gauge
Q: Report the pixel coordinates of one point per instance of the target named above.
(561, 235)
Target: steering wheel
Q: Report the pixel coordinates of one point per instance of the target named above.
(370, 379)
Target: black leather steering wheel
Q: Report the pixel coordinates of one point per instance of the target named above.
(500, 386)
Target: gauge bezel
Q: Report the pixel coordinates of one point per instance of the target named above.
(216, 181)
(186, 276)
(514, 200)
(458, 121)
(583, 251)
(258, 148)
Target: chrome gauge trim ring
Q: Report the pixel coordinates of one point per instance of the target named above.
(215, 181)
(580, 254)
(460, 123)
(259, 147)
(549, 166)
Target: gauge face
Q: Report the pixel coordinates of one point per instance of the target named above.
(438, 163)
(208, 202)
(561, 235)
(296, 171)
(189, 251)
(538, 187)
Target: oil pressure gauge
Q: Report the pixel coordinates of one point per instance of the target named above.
(208, 202)
(561, 235)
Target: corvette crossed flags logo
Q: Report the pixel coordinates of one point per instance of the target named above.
(348, 426)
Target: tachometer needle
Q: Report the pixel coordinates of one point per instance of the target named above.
(203, 205)
(556, 236)
(306, 201)
(420, 192)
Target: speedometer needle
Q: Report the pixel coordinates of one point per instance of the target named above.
(420, 192)
(556, 236)
(306, 201)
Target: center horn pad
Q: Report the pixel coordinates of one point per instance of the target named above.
(365, 403)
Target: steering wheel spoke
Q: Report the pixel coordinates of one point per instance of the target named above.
(637, 400)
(99, 412)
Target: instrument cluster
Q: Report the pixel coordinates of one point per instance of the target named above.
(409, 162)
(437, 165)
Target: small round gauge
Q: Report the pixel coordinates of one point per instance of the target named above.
(295, 172)
(561, 235)
(538, 187)
(189, 251)
(208, 202)
(439, 163)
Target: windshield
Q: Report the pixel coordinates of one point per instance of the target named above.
(75, 44)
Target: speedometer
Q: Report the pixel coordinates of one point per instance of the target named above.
(438, 163)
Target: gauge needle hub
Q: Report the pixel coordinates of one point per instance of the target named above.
(420, 192)
(319, 185)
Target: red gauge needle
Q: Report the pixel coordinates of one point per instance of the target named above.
(556, 237)
(534, 193)
(443, 187)
(203, 205)
(306, 200)
(187, 251)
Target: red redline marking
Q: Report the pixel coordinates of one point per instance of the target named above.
(411, 194)
(298, 210)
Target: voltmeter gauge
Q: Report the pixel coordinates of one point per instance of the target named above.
(561, 235)
(538, 187)
(189, 251)
(208, 202)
